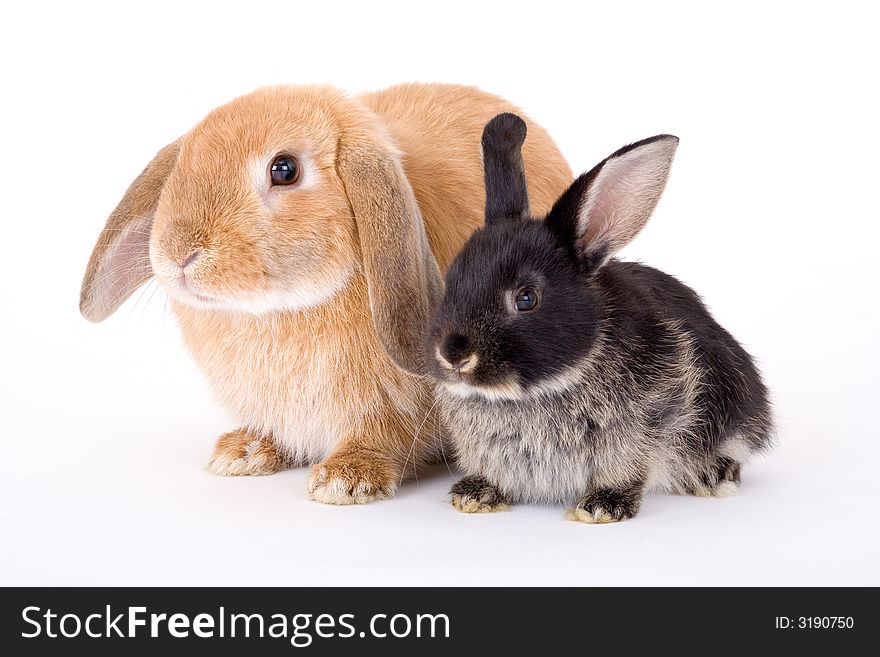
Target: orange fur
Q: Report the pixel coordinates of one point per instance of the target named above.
(242, 453)
(309, 296)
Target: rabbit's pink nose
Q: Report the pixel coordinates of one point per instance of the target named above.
(191, 258)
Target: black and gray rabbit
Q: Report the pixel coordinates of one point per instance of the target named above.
(567, 376)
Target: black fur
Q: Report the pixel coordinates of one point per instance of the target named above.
(507, 195)
(619, 503)
(478, 310)
(624, 361)
(634, 303)
(643, 301)
(478, 489)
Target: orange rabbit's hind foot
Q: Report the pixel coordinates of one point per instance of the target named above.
(240, 453)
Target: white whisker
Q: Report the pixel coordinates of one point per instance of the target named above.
(415, 439)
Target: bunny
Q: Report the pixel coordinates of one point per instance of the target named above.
(567, 376)
(300, 234)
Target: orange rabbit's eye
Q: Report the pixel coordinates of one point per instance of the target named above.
(285, 170)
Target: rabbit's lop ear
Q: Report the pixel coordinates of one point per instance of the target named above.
(605, 208)
(120, 261)
(507, 195)
(402, 275)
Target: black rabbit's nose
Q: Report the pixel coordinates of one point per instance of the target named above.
(457, 353)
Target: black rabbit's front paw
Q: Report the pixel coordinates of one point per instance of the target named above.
(607, 505)
(476, 495)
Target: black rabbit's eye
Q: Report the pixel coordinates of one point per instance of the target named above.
(284, 170)
(525, 299)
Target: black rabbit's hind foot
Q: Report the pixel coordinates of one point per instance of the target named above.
(720, 479)
(605, 505)
(476, 495)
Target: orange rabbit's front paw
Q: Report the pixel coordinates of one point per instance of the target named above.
(353, 479)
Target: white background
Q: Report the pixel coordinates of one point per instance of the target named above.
(771, 213)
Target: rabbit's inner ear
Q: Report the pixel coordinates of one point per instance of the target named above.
(625, 192)
(123, 267)
(120, 261)
(605, 209)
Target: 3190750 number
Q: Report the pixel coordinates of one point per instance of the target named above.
(825, 622)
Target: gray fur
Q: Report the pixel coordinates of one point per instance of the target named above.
(602, 430)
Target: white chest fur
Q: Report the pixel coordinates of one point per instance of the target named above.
(279, 390)
(277, 376)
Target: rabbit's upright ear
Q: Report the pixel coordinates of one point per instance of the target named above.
(120, 261)
(507, 194)
(402, 275)
(605, 208)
